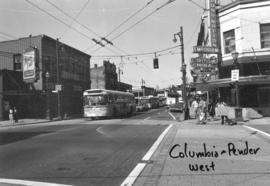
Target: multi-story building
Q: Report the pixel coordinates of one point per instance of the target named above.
(243, 28)
(33, 68)
(144, 91)
(105, 77)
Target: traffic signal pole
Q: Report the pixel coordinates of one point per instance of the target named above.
(184, 72)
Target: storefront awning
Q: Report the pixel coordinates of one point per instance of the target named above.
(226, 82)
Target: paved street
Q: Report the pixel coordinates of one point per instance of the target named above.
(105, 152)
(79, 152)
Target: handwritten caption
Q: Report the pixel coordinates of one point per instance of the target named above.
(183, 151)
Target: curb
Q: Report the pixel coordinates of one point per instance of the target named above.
(135, 173)
(33, 122)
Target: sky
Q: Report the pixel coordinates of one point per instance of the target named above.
(149, 32)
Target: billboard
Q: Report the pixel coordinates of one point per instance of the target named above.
(30, 64)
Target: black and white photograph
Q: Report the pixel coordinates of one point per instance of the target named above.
(134, 92)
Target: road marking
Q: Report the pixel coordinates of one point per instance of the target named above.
(154, 147)
(251, 128)
(172, 115)
(140, 166)
(99, 130)
(133, 175)
(147, 118)
(28, 183)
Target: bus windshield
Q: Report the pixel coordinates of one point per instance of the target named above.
(95, 100)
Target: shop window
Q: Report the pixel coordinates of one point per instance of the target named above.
(264, 96)
(229, 41)
(265, 35)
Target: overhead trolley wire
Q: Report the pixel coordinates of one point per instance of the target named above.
(125, 21)
(76, 17)
(198, 5)
(7, 35)
(86, 27)
(137, 54)
(148, 15)
(78, 31)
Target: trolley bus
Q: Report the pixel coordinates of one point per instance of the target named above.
(101, 103)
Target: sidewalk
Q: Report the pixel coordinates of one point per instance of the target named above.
(220, 162)
(8, 123)
(261, 121)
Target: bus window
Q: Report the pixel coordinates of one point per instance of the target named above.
(95, 100)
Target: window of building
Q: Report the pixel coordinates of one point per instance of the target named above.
(265, 35)
(229, 41)
(264, 96)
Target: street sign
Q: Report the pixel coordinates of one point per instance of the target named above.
(235, 75)
(58, 87)
(205, 49)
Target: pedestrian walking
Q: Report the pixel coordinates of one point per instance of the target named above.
(194, 106)
(15, 114)
(11, 116)
(222, 111)
(202, 111)
(211, 108)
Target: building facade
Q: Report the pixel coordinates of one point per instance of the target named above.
(245, 29)
(57, 66)
(105, 77)
(144, 91)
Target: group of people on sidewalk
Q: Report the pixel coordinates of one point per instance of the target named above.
(202, 110)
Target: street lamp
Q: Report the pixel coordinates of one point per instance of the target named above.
(235, 58)
(183, 70)
(48, 111)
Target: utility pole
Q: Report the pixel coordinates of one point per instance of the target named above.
(183, 70)
(143, 87)
(58, 80)
(119, 72)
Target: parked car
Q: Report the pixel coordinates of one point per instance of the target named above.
(177, 107)
(140, 105)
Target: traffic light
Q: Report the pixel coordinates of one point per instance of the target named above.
(155, 63)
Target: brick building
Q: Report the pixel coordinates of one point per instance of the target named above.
(55, 64)
(105, 77)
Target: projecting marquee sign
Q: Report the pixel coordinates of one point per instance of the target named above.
(204, 64)
(30, 65)
(202, 60)
(205, 49)
(213, 23)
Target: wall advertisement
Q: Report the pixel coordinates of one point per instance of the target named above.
(30, 61)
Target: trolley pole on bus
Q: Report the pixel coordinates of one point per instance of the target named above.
(183, 70)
